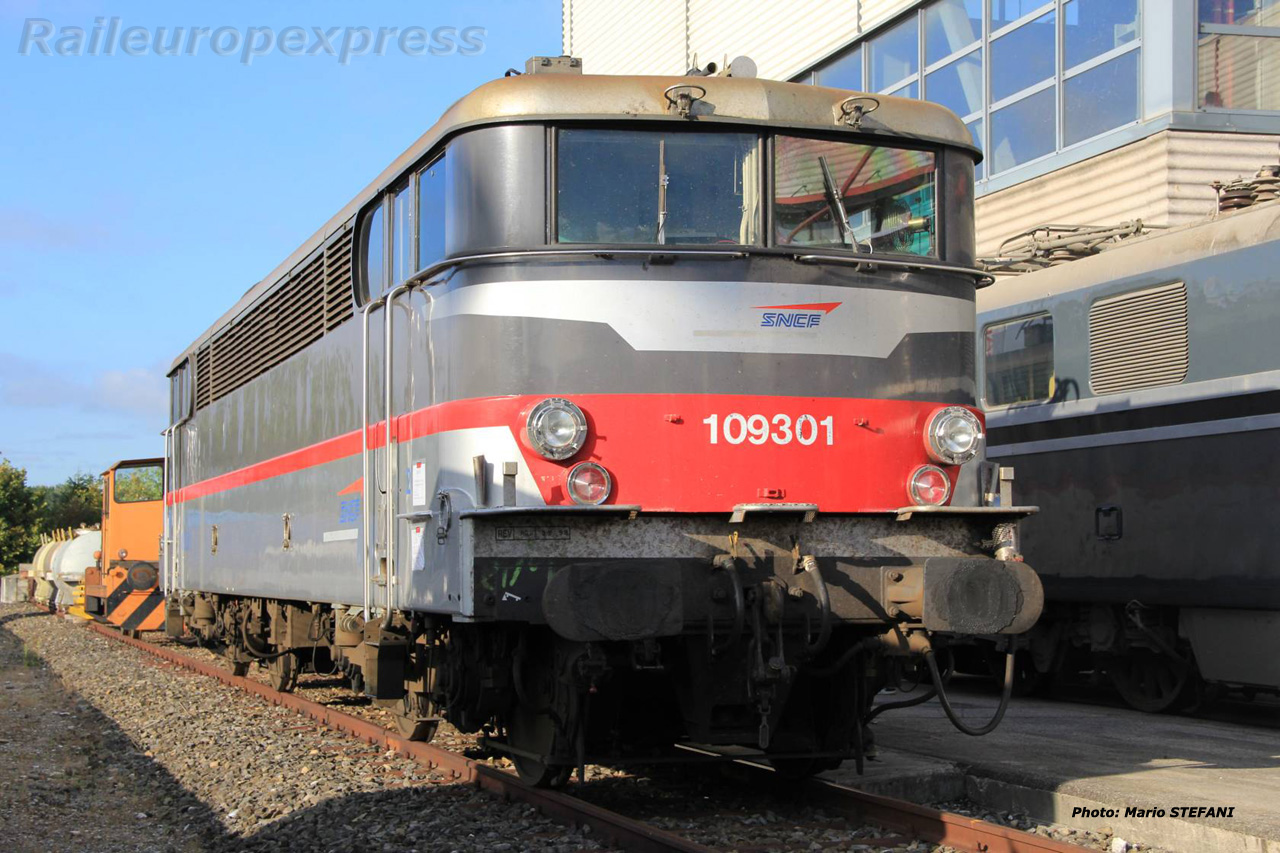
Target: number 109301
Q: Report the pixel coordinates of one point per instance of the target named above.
(735, 428)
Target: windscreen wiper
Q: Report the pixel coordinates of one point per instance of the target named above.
(836, 203)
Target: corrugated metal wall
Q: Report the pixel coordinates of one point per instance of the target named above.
(1163, 179)
(635, 37)
(663, 36)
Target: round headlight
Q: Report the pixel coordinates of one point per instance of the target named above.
(589, 483)
(123, 553)
(954, 435)
(556, 428)
(929, 486)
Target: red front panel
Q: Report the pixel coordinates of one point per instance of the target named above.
(709, 452)
(681, 452)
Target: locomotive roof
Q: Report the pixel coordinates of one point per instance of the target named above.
(1246, 227)
(548, 97)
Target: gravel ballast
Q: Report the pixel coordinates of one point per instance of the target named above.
(133, 754)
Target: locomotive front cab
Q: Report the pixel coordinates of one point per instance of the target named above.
(704, 463)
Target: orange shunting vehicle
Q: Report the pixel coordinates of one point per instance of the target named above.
(123, 587)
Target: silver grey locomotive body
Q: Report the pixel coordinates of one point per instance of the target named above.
(507, 439)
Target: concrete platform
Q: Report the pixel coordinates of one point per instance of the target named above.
(1048, 759)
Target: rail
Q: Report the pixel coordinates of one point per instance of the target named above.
(966, 834)
(614, 828)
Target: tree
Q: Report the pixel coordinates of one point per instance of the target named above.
(75, 502)
(18, 511)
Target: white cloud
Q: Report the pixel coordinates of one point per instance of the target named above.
(28, 384)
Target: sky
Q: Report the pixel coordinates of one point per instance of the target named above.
(141, 195)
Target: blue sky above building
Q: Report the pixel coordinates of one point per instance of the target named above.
(141, 195)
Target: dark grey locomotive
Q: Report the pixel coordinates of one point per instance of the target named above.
(1137, 393)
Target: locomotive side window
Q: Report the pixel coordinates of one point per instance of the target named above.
(136, 483)
(431, 213)
(625, 186)
(403, 234)
(372, 247)
(852, 196)
(1018, 359)
(180, 394)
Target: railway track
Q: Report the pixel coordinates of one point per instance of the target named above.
(905, 819)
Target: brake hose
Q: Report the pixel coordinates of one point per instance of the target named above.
(914, 700)
(946, 704)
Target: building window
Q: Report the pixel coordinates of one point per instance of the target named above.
(951, 26)
(894, 56)
(1100, 98)
(843, 72)
(1023, 57)
(957, 85)
(1018, 360)
(1023, 131)
(1238, 55)
(1029, 78)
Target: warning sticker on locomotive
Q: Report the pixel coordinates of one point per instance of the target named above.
(418, 544)
(419, 484)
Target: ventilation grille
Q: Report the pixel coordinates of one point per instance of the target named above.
(337, 283)
(313, 299)
(1139, 339)
(204, 385)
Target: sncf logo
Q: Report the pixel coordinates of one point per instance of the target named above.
(806, 316)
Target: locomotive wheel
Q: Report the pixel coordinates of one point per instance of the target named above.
(412, 728)
(1149, 681)
(412, 717)
(282, 672)
(238, 668)
(535, 733)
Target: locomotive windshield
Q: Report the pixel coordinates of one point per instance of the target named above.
(627, 186)
(648, 187)
(868, 198)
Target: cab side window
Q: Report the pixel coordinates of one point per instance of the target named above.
(1018, 360)
(373, 241)
(431, 201)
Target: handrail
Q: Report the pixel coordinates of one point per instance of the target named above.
(365, 491)
(166, 548)
(983, 279)
(392, 468)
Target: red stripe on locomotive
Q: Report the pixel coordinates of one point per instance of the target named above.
(846, 455)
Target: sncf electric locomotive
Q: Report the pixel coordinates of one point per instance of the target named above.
(617, 412)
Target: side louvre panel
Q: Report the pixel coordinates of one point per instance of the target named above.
(1139, 339)
(312, 300)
